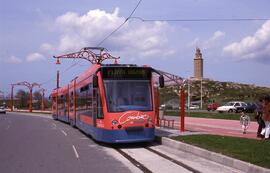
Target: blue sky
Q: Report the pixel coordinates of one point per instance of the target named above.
(32, 31)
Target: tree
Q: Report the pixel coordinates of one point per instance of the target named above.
(22, 98)
(37, 99)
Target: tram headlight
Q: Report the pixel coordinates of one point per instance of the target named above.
(149, 120)
(114, 122)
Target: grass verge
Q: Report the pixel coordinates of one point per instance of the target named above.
(215, 115)
(248, 150)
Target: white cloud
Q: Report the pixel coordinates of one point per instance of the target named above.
(134, 38)
(217, 35)
(194, 43)
(255, 47)
(35, 57)
(46, 47)
(212, 42)
(14, 60)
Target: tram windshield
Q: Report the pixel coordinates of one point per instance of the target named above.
(125, 95)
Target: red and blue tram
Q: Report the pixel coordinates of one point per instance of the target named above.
(114, 103)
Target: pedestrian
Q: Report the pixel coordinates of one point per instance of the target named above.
(258, 117)
(266, 117)
(244, 121)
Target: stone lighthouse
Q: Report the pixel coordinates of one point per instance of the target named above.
(198, 65)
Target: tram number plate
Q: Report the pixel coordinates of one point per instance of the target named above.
(130, 129)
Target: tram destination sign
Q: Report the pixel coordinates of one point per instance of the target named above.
(126, 73)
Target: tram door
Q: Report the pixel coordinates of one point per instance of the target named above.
(97, 110)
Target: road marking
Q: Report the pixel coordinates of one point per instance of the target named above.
(54, 124)
(92, 145)
(75, 151)
(64, 132)
(84, 138)
(7, 127)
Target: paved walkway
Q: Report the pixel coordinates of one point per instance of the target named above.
(216, 126)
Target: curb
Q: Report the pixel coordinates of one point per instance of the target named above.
(34, 111)
(209, 155)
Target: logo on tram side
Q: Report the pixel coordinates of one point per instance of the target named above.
(133, 116)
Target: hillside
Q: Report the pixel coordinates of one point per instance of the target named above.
(215, 91)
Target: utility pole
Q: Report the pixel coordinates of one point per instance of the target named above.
(201, 95)
(188, 94)
(57, 79)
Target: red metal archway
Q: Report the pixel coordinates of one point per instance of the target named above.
(179, 82)
(30, 86)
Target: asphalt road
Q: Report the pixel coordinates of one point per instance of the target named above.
(31, 144)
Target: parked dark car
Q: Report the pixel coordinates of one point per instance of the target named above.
(251, 107)
(240, 107)
(212, 106)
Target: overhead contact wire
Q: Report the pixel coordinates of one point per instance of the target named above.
(201, 19)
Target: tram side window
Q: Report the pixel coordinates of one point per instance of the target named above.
(66, 104)
(71, 102)
(84, 100)
(59, 102)
(100, 114)
(78, 100)
(89, 97)
(62, 103)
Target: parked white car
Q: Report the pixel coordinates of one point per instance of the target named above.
(2, 109)
(194, 107)
(235, 106)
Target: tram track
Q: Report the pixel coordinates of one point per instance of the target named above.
(134, 161)
(143, 166)
(173, 160)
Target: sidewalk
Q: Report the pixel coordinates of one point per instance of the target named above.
(216, 126)
(33, 111)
